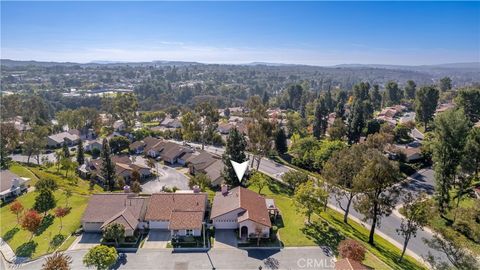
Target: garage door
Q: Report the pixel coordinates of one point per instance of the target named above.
(92, 226)
(158, 224)
(225, 225)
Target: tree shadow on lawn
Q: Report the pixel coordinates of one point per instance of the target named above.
(10, 234)
(382, 251)
(323, 235)
(56, 241)
(46, 222)
(278, 188)
(26, 249)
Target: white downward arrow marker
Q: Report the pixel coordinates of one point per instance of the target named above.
(239, 168)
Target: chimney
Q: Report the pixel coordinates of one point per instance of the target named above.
(15, 182)
(196, 189)
(224, 189)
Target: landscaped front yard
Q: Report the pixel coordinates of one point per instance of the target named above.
(328, 229)
(50, 236)
(19, 239)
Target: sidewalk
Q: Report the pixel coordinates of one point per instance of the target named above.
(380, 233)
(7, 251)
(8, 256)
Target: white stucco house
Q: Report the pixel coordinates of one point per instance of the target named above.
(242, 209)
(11, 185)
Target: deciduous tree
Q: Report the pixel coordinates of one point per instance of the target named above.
(60, 212)
(16, 208)
(376, 183)
(114, 232)
(340, 172)
(31, 221)
(309, 198)
(258, 180)
(351, 249)
(416, 214)
(101, 257)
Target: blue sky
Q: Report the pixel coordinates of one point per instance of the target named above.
(316, 33)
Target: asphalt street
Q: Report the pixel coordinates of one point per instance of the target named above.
(421, 181)
(288, 258)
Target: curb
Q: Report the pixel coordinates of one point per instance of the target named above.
(383, 235)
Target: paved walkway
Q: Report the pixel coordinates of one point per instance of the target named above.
(7, 251)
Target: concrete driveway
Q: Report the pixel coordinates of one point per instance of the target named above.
(157, 239)
(166, 176)
(86, 241)
(225, 239)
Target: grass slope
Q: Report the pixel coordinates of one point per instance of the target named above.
(328, 229)
(47, 239)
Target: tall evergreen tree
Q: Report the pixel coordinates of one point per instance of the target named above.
(450, 136)
(445, 84)
(320, 123)
(265, 98)
(425, 104)
(329, 101)
(80, 154)
(280, 140)
(108, 168)
(394, 94)
(376, 98)
(410, 90)
(66, 152)
(234, 150)
(356, 122)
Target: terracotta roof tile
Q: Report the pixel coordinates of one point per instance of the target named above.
(240, 197)
(182, 210)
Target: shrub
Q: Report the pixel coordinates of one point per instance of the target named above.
(351, 249)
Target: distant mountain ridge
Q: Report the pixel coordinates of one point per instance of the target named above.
(10, 62)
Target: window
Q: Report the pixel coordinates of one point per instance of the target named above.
(189, 232)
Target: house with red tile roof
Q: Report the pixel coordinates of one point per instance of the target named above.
(183, 214)
(242, 209)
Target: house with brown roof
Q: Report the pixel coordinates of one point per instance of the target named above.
(124, 168)
(183, 214)
(122, 208)
(204, 162)
(242, 209)
(139, 147)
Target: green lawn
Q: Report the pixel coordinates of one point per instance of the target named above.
(40, 244)
(23, 171)
(328, 229)
(19, 239)
(72, 182)
(440, 224)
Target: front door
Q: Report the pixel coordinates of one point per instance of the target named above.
(244, 232)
